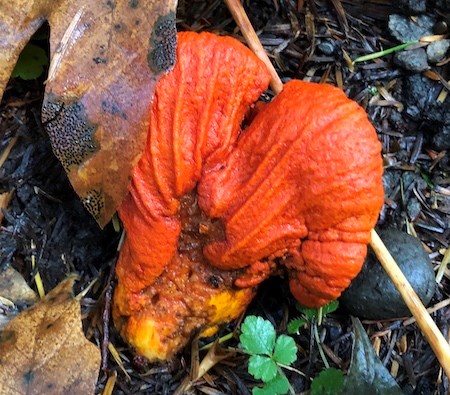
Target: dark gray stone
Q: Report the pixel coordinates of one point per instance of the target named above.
(441, 140)
(417, 89)
(327, 47)
(436, 50)
(413, 208)
(414, 60)
(421, 103)
(404, 29)
(372, 295)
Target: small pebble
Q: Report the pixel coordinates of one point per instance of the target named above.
(414, 60)
(416, 92)
(327, 47)
(405, 29)
(413, 208)
(441, 140)
(436, 50)
(372, 294)
(440, 27)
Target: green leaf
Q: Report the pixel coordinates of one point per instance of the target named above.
(294, 325)
(329, 382)
(367, 375)
(278, 386)
(307, 312)
(285, 350)
(313, 313)
(31, 62)
(262, 367)
(257, 336)
(330, 307)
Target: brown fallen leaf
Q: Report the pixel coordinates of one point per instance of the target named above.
(105, 59)
(14, 287)
(44, 351)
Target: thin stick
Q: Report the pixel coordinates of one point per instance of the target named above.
(429, 328)
(253, 42)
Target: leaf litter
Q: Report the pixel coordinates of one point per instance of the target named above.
(44, 351)
(105, 58)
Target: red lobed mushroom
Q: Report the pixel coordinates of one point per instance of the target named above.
(214, 209)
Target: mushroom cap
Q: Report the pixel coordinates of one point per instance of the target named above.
(166, 288)
(213, 210)
(304, 183)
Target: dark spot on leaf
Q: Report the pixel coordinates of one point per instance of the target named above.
(94, 203)
(111, 4)
(137, 22)
(133, 3)
(71, 134)
(99, 60)
(28, 377)
(118, 27)
(49, 326)
(163, 41)
(8, 336)
(113, 108)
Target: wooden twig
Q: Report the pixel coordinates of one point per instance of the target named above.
(428, 327)
(253, 42)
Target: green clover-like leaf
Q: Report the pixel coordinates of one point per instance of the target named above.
(278, 386)
(262, 367)
(285, 350)
(257, 336)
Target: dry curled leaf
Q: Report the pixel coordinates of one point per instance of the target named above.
(14, 287)
(44, 351)
(105, 59)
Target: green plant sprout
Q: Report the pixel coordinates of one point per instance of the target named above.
(268, 354)
(330, 380)
(308, 316)
(385, 52)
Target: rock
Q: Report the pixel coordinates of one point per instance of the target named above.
(327, 47)
(413, 7)
(414, 60)
(441, 140)
(416, 94)
(421, 105)
(413, 208)
(405, 29)
(436, 50)
(372, 295)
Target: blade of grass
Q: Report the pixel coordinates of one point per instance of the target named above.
(379, 54)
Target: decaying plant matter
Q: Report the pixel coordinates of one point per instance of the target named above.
(214, 210)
